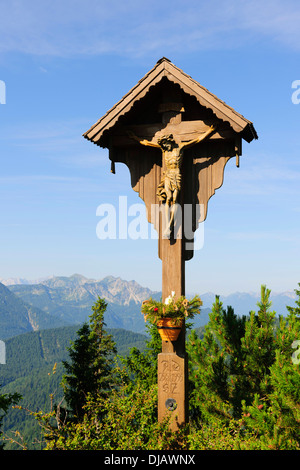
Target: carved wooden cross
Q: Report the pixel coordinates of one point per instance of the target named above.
(176, 138)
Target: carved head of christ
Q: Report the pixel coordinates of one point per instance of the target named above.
(167, 142)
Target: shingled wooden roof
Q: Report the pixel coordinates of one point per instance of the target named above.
(165, 68)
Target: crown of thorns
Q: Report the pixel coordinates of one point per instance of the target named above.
(165, 138)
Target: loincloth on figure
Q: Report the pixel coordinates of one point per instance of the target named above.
(170, 182)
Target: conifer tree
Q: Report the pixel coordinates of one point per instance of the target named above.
(90, 366)
(232, 362)
(214, 363)
(259, 345)
(276, 419)
(103, 346)
(295, 311)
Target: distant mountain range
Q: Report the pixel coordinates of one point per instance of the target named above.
(114, 289)
(68, 301)
(58, 301)
(17, 317)
(244, 302)
(19, 280)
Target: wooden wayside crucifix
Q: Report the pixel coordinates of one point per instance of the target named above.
(176, 138)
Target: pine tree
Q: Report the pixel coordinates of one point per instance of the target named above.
(246, 376)
(295, 311)
(79, 379)
(214, 363)
(276, 419)
(232, 362)
(103, 346)
(259, 346)
(90, 368)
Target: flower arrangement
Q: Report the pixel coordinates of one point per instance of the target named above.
(175, 310)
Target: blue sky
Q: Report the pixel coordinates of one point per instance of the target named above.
(65, 63)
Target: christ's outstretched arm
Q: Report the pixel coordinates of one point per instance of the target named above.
(145, 142)
(198, 139)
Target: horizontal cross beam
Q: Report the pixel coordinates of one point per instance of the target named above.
(184, 131)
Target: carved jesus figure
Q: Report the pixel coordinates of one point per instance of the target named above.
(172, 151)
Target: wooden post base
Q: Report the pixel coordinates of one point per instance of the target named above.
(172, 388)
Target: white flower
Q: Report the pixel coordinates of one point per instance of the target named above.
(170, 298)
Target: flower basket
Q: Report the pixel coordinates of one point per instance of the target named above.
(169, 316)
(167, 330)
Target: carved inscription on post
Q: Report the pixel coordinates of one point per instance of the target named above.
(170, 376)
(171, 386)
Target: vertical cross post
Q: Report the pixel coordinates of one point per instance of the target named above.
(173, 361)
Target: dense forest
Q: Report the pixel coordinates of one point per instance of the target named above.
(31, 358)
(244, 387)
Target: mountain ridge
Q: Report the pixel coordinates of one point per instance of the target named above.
(84, 280)
(17, 316)
(69, 299)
